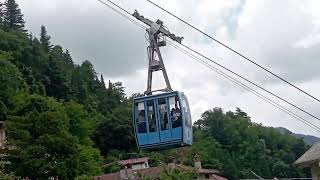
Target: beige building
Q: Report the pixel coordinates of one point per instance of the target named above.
(135, 164)
(311, 159)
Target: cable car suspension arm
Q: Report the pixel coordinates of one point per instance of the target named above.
(157, 34)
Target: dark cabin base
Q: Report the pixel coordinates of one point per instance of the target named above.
(164, 145)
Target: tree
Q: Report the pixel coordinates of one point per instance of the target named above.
(12, 16)
(103, 85)
(241, 113)
(233, 144)
(1, 14)
(82, 123)
(3, 111)
(45, 39)
(117, 124)
(11, 82)
(59, 73)
(38, 128)
(68, 57)
(91, 161)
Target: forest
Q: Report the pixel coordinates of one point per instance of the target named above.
(65, 120)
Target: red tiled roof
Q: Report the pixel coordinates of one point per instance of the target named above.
(111, 176)
(133, 161)
(152, 171)
(207, 171)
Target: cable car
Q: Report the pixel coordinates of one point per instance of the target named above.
(160, 120)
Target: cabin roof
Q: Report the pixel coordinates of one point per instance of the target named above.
(155, 95)
(313, 154)
(133, 161)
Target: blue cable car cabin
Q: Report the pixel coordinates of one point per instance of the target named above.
(162, 120)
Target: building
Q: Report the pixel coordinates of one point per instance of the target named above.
(136, 168)
(311, 159)
(135, 164)
(2, 135)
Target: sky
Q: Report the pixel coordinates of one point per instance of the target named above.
(283, 36)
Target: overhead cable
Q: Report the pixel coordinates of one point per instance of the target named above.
(234, 51)
(196, 52)
(251, 82)
(242, 85)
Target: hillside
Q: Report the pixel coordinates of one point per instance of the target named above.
(64, 121)
(306, 138)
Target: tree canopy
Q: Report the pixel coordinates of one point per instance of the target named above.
(12, 17)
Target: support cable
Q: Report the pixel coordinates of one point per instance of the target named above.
(242, 85)
(234, 51)
(258, 86)
(196, 52)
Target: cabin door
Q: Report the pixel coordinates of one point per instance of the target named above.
(153, 135)
(164, 122)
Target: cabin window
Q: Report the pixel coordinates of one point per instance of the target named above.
(151, 116)
(186, 112)
(162, 104)
(141, 120)
(175, 112)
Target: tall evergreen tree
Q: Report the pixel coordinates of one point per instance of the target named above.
(103, 85)
(68, 57)
(110, 86)
(1, 14)
(45, 39)
(12, 16)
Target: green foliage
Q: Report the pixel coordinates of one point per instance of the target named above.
(11, 83)
(12, 17)
(90, 161)
(3, 174)
(233, 144)
(39, 127)
(80, 122)
(1, 14)
(45, 39)
(111, 167)
(50, 136)
(5, 55)
(117, 123)
(83, 177)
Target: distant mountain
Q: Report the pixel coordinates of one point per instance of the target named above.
(307, 138)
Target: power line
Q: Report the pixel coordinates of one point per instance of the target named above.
(258, 86)
(234, 51)
(128, 17)
(119, 12)
(124, 10)
(268, 100)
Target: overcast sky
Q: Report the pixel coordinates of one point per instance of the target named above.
(283, 36)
